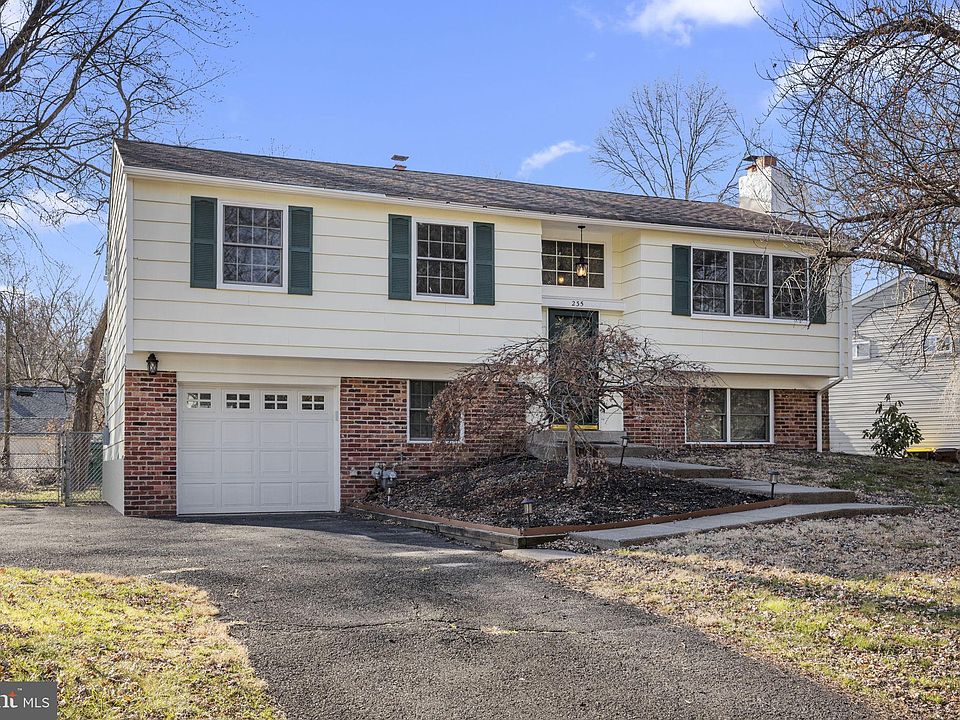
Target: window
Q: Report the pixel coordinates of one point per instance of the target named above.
(740, 284)
(750, 285)
(790, 288)
(708, 420)
(710, 280)
(311, 402)
(559, 259)
(419, 422)
(274, 401)
(861, 349)
(237, 401)
(198, 400)
(937, 345)
(252, 246)
(441, 259)
(730, 415)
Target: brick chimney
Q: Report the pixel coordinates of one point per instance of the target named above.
(767, 188)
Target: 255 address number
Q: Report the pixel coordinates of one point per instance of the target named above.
(576, 303)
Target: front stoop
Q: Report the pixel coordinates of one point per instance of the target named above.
(627, 537)
(552, 445)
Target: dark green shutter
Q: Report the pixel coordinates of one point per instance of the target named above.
(818, 306)
(203, 242)
(484, 280)
(399, 262)
(681, 279)
(300, 228)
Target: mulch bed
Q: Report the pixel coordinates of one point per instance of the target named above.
(491, 494)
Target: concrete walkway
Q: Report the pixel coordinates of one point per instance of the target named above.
(625, 537)
(799, 494)
(670, 467)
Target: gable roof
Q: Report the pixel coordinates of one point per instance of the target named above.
(458, 189)
(39, 409)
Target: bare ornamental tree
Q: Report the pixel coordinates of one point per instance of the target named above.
(672, 140)
(74, 75)
(558, 381)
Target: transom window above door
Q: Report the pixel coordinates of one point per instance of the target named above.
(442, 259)
(252, 246)
(559, 259)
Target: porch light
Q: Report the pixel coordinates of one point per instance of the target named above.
(527, 506)
(152, 364)
(581, 267)
(774, 478)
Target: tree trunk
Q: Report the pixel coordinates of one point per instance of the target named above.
(89, 380)
(573, 478)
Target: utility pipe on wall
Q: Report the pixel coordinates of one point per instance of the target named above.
(831, 383)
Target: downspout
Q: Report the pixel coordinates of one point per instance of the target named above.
(830, 383)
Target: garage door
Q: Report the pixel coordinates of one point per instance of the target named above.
(245, 449)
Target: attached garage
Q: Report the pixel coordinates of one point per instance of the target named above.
(244, 449)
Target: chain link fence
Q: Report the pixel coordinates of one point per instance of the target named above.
(50, 467)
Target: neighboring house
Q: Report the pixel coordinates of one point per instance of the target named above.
(891, 356)
(304, 314)
(40, 409)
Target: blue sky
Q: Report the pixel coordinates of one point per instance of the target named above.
(516, 90)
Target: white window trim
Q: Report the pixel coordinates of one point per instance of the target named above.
(468, 298)
(572, 291)
(411, 440)
(214, 399)
(312, 395)
(262, 397)
(254, 397)
(284, 254)
(947, 348)
(857, 357)
(729, 315)
(728, 426)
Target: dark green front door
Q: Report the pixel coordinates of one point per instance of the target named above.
(588, 321)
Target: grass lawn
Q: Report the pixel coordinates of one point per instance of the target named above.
(124, 647)
(870, 605)
(906, 480)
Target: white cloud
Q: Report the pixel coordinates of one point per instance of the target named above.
(544, 157)
(678, 18)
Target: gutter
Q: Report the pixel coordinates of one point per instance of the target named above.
(830, 383)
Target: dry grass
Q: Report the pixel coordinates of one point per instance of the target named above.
(128, 648)
(871, 605)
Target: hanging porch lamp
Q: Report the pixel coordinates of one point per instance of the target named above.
(581, 268)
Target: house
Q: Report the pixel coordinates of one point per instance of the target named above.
(891, 354)
(40, 409)
(278, 326)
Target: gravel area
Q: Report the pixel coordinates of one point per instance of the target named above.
(492, 494)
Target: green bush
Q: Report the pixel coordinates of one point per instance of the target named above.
(893, 431)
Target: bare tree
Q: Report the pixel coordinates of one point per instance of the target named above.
(74, 75)
(560, 380)
(869, 92)
(672, 139)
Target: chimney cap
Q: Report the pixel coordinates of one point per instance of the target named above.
(400, 158)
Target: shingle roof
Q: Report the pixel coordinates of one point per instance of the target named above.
(39, 409)
(458, 189)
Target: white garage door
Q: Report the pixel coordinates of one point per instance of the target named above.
(247, 449)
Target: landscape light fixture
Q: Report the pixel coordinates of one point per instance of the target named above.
(624, 441)
(581, 267)
(774, 477)
(152, 364)
(527, 506)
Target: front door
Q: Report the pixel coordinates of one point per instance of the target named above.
(587, 321)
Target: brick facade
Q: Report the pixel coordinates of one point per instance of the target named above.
(373, 428)
(794, 421)
(150, 443)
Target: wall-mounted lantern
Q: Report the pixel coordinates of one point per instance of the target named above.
(152, 364)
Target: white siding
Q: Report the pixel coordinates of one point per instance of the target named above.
(925, 392)
(116, 335)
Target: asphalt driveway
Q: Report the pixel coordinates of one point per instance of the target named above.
(355, 619)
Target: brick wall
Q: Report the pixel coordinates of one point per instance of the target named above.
(373, 428)
(150, 443)
(794, 419)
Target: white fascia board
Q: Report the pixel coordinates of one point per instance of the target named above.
(177, 176)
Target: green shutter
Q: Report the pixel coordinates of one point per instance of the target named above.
(399, 263)
(818, 306)
(300, 251)
(203, 242)
(681, 279)
(484, 280)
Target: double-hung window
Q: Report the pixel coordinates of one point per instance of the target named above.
(749, 285)
(419, 423)
(442, 264)
(717, 415)
(252, 246)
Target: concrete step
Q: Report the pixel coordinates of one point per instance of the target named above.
(642, 534)
(552, 445)
(796, 494)
(675, 469)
